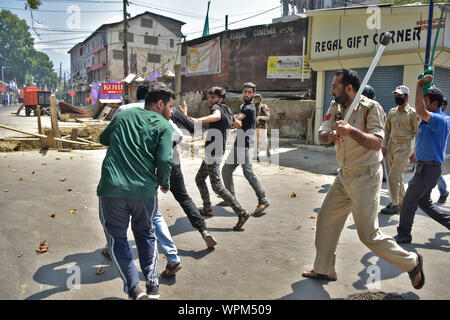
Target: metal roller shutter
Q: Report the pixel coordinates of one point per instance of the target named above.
(384, 80)
(442, 81)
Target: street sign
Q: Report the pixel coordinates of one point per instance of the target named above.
(112, 88)
(72, 93)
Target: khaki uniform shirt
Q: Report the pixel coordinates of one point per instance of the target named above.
(369, 117)
(401, 124)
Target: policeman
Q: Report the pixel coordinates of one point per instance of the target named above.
(357, 187)
(262, 116)
(400, 130)
(369, 92)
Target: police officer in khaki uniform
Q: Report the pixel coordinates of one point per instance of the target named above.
(400, 130)
(357, 187)
(262, 116)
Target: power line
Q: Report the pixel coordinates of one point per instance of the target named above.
(234, 22)
(42, 10)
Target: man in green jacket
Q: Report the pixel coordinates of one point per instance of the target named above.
(138, 160)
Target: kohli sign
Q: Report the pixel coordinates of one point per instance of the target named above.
(112, 88)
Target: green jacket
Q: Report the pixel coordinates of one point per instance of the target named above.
(139, 157)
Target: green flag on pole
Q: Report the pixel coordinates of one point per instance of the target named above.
(206, 27)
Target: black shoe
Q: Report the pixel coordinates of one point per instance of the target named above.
(442, 199)
(138, 294)
(400, 239)
(390, 209)
(105, 253)
(153, 292)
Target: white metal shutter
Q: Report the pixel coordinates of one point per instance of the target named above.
(384, 80)
(442, 81)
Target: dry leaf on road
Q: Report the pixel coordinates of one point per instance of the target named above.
(73, 211)
(84, 208)
(63, 179)
(312, 217)
(100, 271)
(293, 195)
(70, 189)
(53, 215)
(20, 254)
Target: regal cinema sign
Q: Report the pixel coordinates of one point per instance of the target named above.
(112, 88)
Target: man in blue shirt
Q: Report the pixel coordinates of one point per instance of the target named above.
(430, 155)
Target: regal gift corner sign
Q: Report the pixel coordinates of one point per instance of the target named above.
(348, 35)
(112, 88)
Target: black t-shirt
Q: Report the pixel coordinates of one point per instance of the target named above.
(221, 126)
(249, 122)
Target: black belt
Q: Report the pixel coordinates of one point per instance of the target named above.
(432, 163)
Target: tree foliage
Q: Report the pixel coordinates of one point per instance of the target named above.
(18, 56)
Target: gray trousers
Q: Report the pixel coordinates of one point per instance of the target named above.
(241, 156)
(418, 195)
(213, 171)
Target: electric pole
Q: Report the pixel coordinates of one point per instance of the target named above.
(60, 70)
(125, 47)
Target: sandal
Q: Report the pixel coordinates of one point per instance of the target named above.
(312, 275)
(171, 270)
(418, 268)
(260, 208)
(242, 218)
(208, 212)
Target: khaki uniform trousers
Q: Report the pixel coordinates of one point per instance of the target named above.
(398, 152)
(357, 191)
(261, 138)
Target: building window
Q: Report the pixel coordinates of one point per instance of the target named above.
(154, 58)
(172, 43)
(81, 52)
(146, 23)
(118, 54)
(130, 36)
(151, 40)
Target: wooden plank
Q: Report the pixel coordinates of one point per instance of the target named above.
(74, 136)
(41, 135)
(20, 109)
(41, 140)
(54, 120)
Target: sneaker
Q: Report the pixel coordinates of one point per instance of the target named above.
(260, 208)
(106, 254)
(171, 269)
(403, 239)
(390, 209)
(442, 199)
(210, 241)
(224, 203)
(138, 294)
(153, 293)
